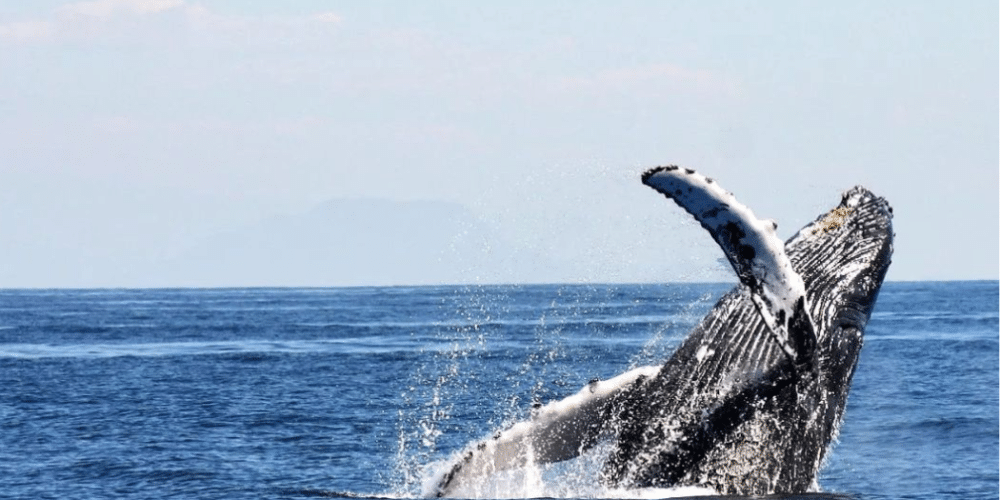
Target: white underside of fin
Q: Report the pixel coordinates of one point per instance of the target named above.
(751, 245)
(556, 431)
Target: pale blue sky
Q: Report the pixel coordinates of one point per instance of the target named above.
(132, 130)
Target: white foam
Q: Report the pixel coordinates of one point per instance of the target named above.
(576, 478)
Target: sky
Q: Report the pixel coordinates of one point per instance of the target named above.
(134, 130)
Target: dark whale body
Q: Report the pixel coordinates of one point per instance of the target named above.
(767, 426)
(751, 400)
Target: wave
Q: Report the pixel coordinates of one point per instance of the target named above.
(338, 346)
(464, 323)
(934, 336)
(938, 315)
(236, 347)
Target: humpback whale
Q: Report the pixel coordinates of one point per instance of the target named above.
(750, 401)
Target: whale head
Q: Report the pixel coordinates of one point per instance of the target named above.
(843, 257)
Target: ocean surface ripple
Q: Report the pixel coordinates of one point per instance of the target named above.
(360, 392)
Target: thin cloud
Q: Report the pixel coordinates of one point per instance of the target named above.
(328, 17)
(27, 31)
(104, 9)
(82, 21)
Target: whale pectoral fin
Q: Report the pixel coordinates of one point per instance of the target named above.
(557, 431)
(754, 251)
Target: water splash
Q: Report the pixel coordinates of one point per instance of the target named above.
(456, 376)
(665, 338)
(441, 382)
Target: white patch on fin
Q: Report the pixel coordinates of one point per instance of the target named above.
(752, 248)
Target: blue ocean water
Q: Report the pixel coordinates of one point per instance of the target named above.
(298, 393)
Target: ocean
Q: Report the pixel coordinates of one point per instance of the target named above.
(363, 392)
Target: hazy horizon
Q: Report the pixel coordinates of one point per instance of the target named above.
(150, 142)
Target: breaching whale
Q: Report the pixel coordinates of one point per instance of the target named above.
(749, 403)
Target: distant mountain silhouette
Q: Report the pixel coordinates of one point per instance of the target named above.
(356, 242)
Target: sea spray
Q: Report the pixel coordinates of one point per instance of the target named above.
(533, 344)
(443, 381)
